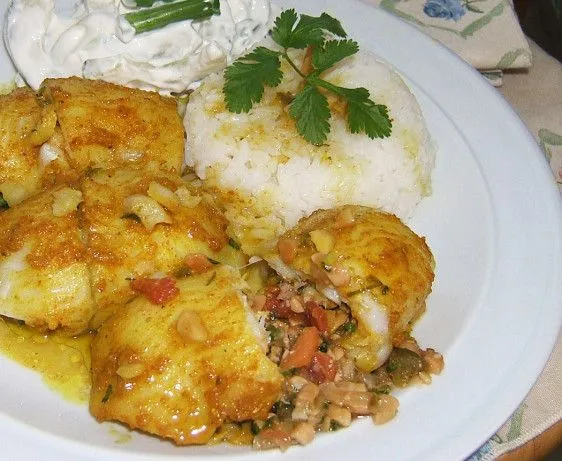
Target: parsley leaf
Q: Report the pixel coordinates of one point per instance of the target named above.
(311, 112)
(246, 77)
(283, 27)
(363, 115)
(309, 30)
(331, 52)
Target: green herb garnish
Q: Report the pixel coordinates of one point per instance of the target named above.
(234, 244)
(160, 16)
(334, 426)
(254, 428)
(107, 394)
(348, 328)
(182, 272)
(141, 3)
(131, 216)
(247, 77)
(3, 204)
(281, 407)
(274, 332)
(384, 389)
(211, 279)
(391, 367)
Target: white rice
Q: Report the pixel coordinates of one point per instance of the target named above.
(278, 177)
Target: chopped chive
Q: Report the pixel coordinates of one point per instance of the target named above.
(182, 272)
(274, 332)
(254, 428)
(234, 244)
(348, 327)
(141, 3)
(384, 389)
(107, 394)
(391, 366)
(159, 16)
(211, 279)
(334, 426)
(131, 216)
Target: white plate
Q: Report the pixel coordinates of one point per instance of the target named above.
(494, 224)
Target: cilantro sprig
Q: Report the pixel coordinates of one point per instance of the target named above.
(247, 77)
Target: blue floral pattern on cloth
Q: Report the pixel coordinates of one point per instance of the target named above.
(481, 453)
(444, 9)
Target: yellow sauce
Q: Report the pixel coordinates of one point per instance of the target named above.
(232, 433)
(63, 362)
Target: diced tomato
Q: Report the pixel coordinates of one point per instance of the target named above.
(278, 307)
(198, 263)
(322, 368)
(317, 316)
(157, 291)
(272, 291)
(303, 350)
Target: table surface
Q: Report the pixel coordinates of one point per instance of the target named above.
(537, 448)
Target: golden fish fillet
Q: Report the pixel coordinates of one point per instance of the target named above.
(106, 125)
(44, 278)
(369, 260)
(181, 369)
(24, 126)
(140, 223)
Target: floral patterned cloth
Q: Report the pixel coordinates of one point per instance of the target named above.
(485, 33)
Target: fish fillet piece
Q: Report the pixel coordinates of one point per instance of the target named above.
(26, 165)
(371, 261)
(149, 374)
(121, 246)
(106, 125)
(44, 278)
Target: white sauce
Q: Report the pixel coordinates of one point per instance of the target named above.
(61, 38)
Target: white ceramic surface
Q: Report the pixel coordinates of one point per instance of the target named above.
(494, 223)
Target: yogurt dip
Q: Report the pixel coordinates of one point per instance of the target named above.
(61, 38)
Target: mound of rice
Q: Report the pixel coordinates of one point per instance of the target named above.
(269, 177)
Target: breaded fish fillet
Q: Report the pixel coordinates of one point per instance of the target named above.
(24, 126)
(139, 223)
(44, 277)
(369, 260)
(180, 369)
(106, 125)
